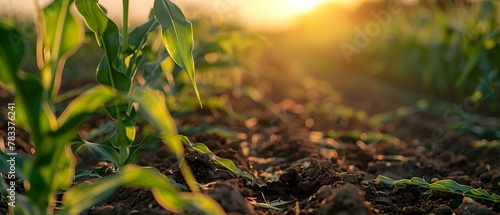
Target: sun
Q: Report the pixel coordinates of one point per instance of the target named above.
(302, 6)
(277, 14)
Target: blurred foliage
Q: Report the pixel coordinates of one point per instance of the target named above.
(219, 58)
(447, 49)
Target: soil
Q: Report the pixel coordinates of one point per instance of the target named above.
(315, 179)
(285, 144)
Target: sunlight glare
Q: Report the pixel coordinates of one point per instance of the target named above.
(302, 6)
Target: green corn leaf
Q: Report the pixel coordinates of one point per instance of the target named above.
(152, 107)
(118, 109)
(108, 37)
(132, 56)
(419, 181)
(80, 174)
(202, 148)
(177, 33)
(131, 61)
(12, 49)
(82, 197)
(124, 134)
(228, 164)
(108, 75)
(137, 38)
(53, 169)
(200, 202)
(33, 111)
(146, 141)
(152, 70)
(445, 185)
(105, 30)
(64, 168)
(480, 192)
(103, 152)
(223, 162)
(81, 107)
(451, 186)
(62, 36)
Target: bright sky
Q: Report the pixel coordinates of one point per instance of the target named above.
(257, 13)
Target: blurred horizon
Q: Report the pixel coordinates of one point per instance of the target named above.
(447, 49)
(257, 14)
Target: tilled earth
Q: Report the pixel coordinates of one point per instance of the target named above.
(286, 146)
(319, 175)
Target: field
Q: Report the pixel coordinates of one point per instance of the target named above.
(383, 108)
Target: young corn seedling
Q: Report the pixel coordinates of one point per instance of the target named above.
(178, 40)
(445, 185)
(224, 162)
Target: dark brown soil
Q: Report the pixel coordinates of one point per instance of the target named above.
(317, 179)
(321, 175)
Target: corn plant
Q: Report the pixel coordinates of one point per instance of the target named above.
(176, 33)
(52, 168)
(445, 185)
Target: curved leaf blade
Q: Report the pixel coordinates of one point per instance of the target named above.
(177, 34)
(62, 36)
(83, 106)
(82, 197)
(444, 185)
(152, 107)
(145, 141)
(103, 152)
(108, 37)
(223, 162)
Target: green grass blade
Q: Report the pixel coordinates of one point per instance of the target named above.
(177, 34)
(62, 36)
